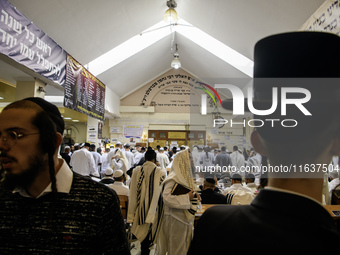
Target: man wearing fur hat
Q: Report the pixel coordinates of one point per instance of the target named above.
(296, 80)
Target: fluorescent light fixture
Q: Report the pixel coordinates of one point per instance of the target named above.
(128, 48)
(67, 118)
(2, 98)
(54, 99)
(75, 120)
(216, 47)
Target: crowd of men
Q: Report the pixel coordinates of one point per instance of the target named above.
(45, 208)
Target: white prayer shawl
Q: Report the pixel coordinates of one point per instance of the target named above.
(121, 157)
(182, 174)
(145, 190)
(196, 156)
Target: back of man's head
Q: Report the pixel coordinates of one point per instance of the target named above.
(150, 155)
(209, 183)
(250, 178)
(235, 148)
(236, 178)
(311, 131)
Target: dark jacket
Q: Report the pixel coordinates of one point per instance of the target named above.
(210, 196)
(274, 223)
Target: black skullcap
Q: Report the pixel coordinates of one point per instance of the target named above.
(210, 180)
(87, 144)
(237, 177)
(51, 110)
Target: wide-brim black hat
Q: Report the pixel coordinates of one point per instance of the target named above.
(307, 60)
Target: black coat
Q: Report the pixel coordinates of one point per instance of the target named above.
(210, 196)
(274, 223)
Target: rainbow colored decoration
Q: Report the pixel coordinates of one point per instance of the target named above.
(209, 93)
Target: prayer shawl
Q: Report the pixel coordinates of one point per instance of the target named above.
(145, 189)
(181, 172)
(121, 157)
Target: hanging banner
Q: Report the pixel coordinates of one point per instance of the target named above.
(26, 44)
(326, 18)
(83, 91)
(132, 131)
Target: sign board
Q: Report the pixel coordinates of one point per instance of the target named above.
(83, 91)
(114, 130)
(132, 131)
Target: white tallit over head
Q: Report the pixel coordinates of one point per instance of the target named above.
(181, 170)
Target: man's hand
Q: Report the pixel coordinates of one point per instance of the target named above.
(191, 194)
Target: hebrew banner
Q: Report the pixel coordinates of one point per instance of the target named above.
(26, 44)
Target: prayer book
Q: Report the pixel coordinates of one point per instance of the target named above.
(179, 189)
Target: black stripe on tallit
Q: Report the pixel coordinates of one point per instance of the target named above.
(229, 197)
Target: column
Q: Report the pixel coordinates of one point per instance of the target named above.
(33, 88)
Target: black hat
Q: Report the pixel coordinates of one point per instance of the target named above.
(87, 144)
(307, 60)
(51, 110)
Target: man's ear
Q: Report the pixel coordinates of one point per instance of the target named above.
(59, 139)
(257, 143)
(335, 147)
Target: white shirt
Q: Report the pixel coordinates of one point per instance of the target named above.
(82, 162)
(163, 160)
(131, 159)
(138, 157)
(237, 159)
(105, 165)
(120, 188)
(97, 160)
(64, 178)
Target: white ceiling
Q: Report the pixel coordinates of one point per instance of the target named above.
(86, 29)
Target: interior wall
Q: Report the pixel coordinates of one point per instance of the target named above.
(172, 101)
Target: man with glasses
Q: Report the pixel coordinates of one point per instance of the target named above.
(44, 207)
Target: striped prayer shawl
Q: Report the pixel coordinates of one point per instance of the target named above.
(158, 219)
(229, 197)
(143, 212)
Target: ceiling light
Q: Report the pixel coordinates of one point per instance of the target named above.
(67, 118)
(175, 63)
(75, 120)
(2, 98)
(170, 16)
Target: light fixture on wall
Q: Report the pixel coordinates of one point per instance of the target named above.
(175, 63)
(170, 16)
